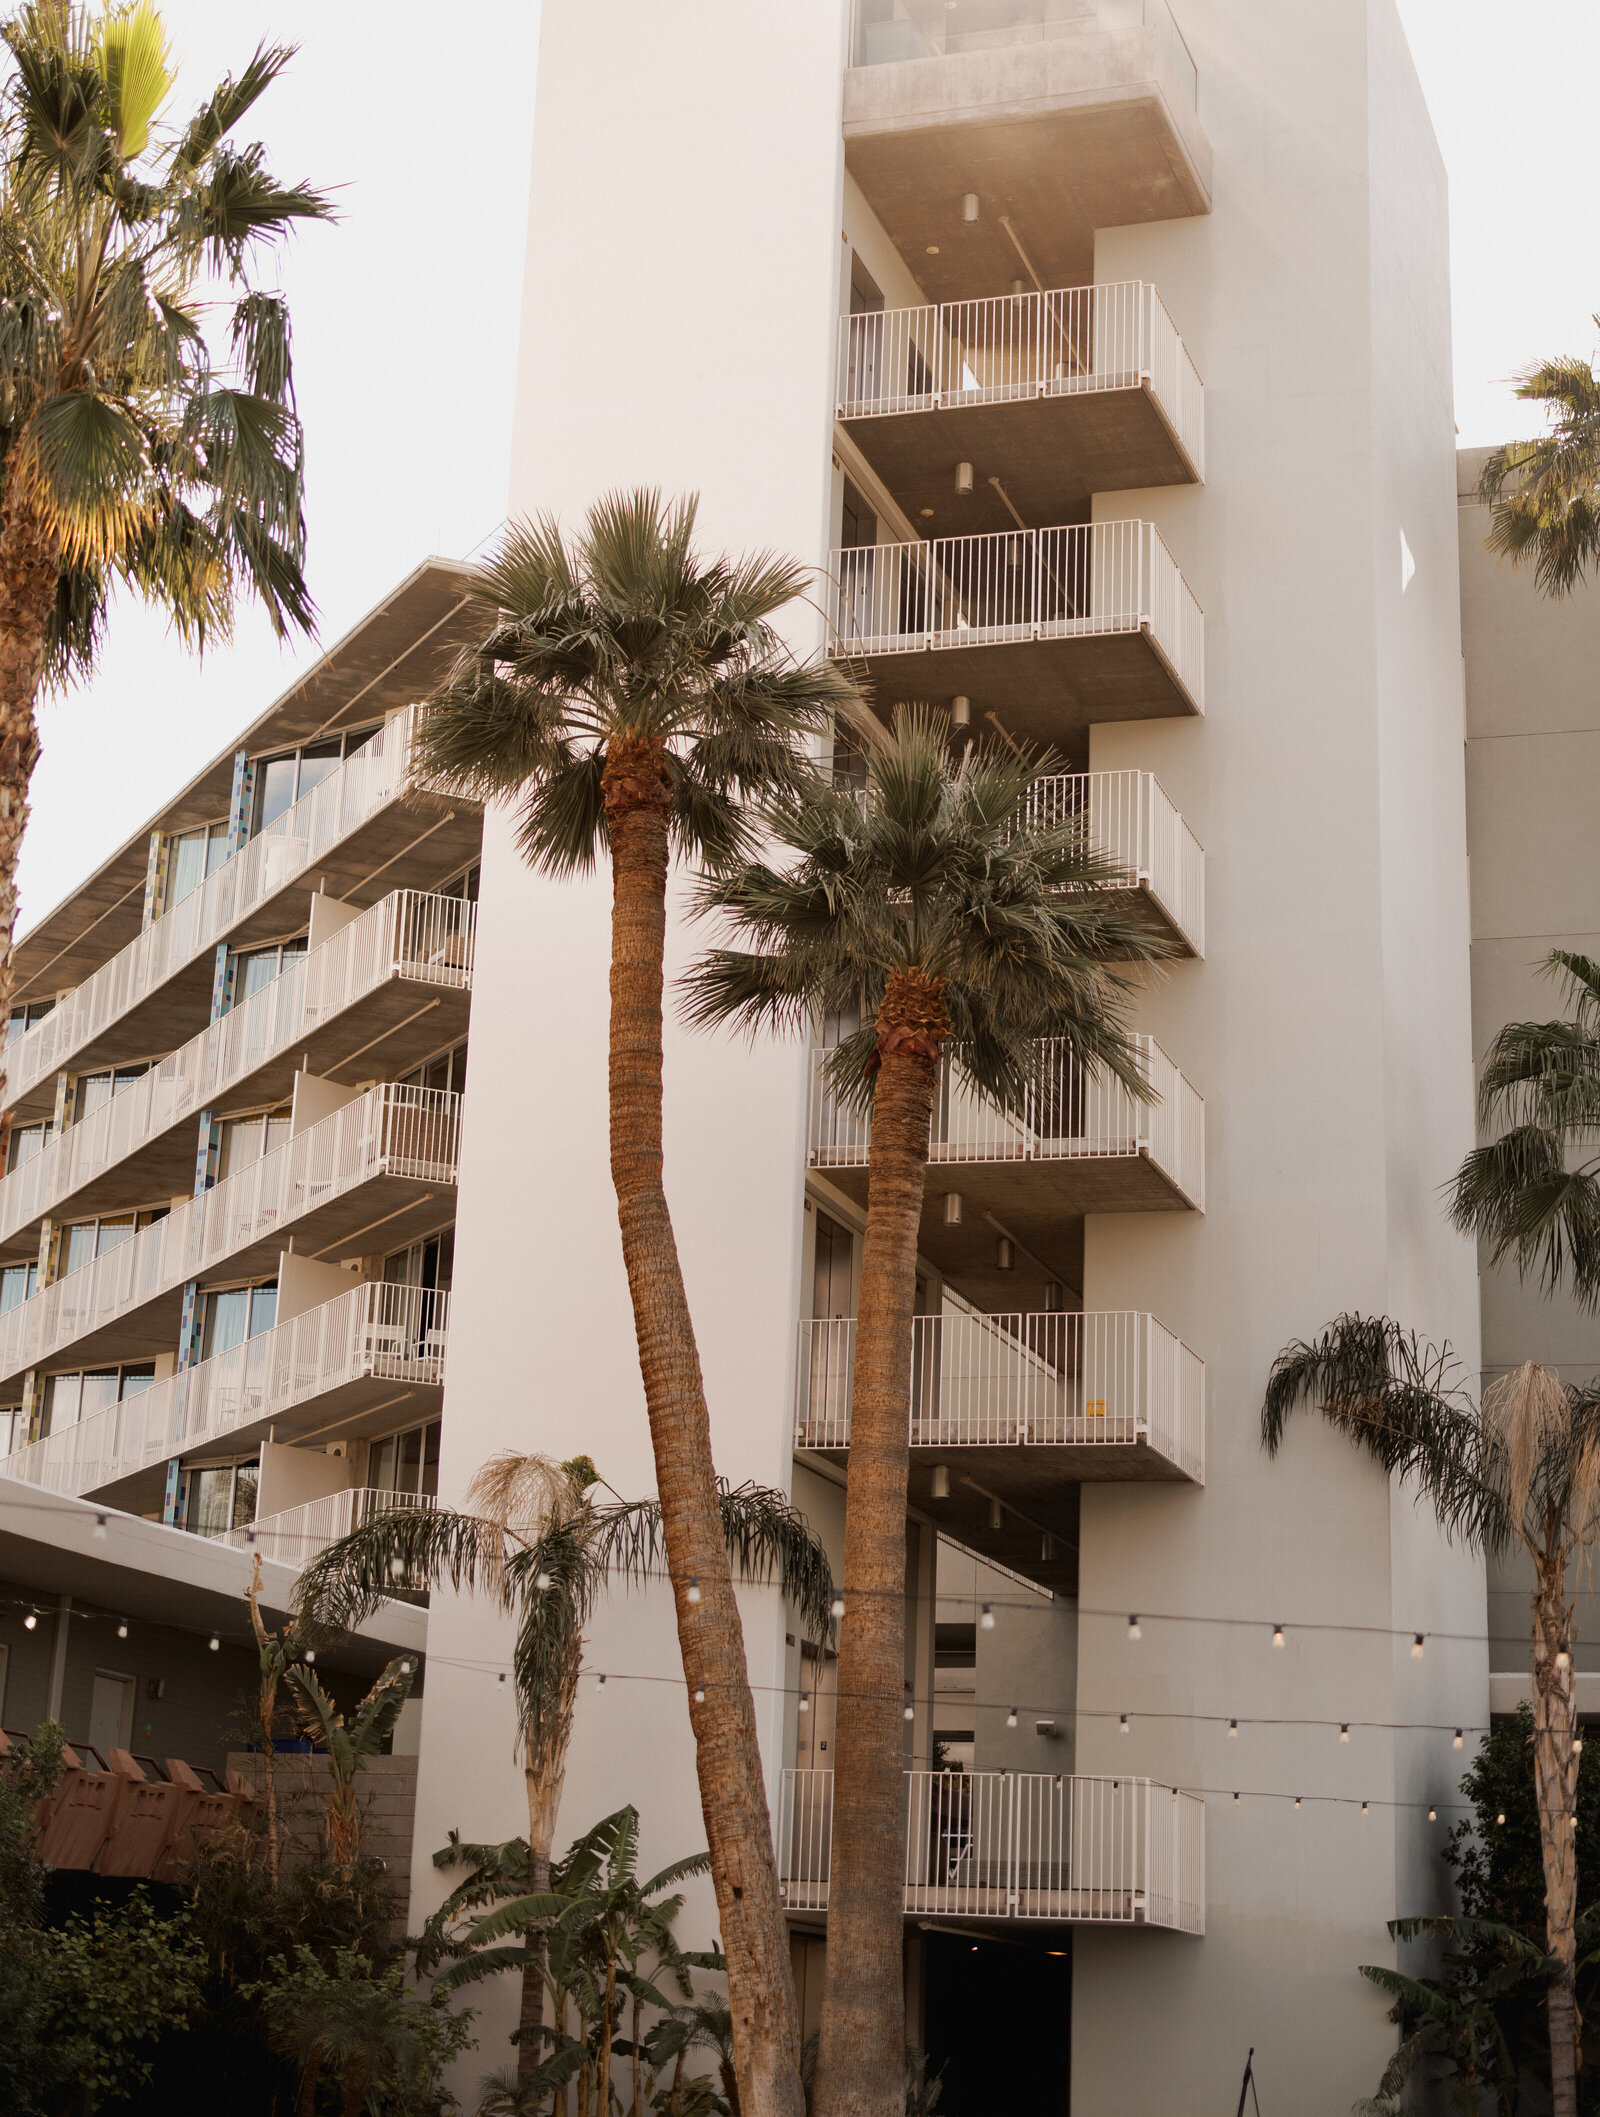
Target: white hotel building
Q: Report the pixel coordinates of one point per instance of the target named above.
(1098, 359)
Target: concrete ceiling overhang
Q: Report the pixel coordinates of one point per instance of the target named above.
(148, 1573)
(391, 658)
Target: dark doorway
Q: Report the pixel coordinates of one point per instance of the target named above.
(999, 2021)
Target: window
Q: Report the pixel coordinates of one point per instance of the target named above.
(246, 1139)
(284, 780)
(406, 1462)
(235, 1313)
(27, 1141)
(23, 1018)
(88, 1239)
(17, 1283)
(429, 1262)
(218, 1497)
(95, 1089)
(68, 1399)
(463, 885)
(13, 1433)
(447, 1071)
(191, 858)
(257, 968)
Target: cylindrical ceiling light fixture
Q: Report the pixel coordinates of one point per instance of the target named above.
(941, 1481)
(1005, 1255)
(1053, 1297)
(961, 712)
(969, 206)
(952, 1209)
(963, 477)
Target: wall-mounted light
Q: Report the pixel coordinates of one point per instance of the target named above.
(1054, 1296)
(952, 1209)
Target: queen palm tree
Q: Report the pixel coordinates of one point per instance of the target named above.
(536, 1545)
(1520, 1471)
(1544, 496)
(630, 696)
(926, 909)
(128, 454)
(1532, 1194)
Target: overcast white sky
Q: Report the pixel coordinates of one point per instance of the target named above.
(405, 321)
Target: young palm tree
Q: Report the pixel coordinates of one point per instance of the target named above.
(1521, 1471)
(927, 910)
(630, 697)
(535, 1545)
(127, 455)
(1544, 496)
(1533, 1194)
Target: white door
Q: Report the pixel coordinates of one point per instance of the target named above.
(111, 1712)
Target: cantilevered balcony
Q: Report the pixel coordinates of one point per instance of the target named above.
(1058, 395)
(1129, 818)
(1054, 117)
(1016, 1408)
(1043, 630)
(296, 1536)
(370, 1176)
(377, 1345)
(395, 982)
(1079, 1145)
(349, 832)
(1018, 1847)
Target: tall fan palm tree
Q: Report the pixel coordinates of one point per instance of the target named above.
(630, 696)
(1544, 496)
(127, 454)
(926, 909)
(533, 1541)
(1521, 1471)
(1533, 1193)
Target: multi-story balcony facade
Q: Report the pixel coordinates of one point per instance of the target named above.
(993, 137)
(1042, 630)
(349, 832)
(1058, 395)
(1018, 1847)
(1010, 1413)
(375, 1173)
(378, 1348)
(390, 986)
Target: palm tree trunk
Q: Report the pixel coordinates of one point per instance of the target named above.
(543, 1780)
(307, 2103)
(1555, 1780)
(710, 1637)
(861, 2050)
(30, 567)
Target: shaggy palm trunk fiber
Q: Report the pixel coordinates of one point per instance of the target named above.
(1555, 1782)
(861, 2054)
(30, 567)
(733, 1797)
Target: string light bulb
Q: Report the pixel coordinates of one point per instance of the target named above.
(986, 1621)
(122, 1629)
(542, 1580)
(1363, 1808)
(1297, 1804)
(1123, 1727)
(99, 1528)
(1011, 1717)
(1455, 1742)
(406, 1668)
(311, 1654)
(1233, 1730)
(1416, 1647)
(805, 1703)
(1344, 1731)
(1563, 1658)
(836, 1607)
(1236, 1800)
(1433, 1814)
(1133, 1629)
(501, 1677)
(692, 1592)
(911, 1712)
(1277, 1635)
(214, 1642)
(699, 1694)
(397, 1566)
(1500, 1818)
(30, 1621)
(1577, 1745)
(602, 1682)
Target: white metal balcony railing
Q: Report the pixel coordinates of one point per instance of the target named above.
(391, 1333)
(1088, 580)
(362, 784)
(391, 1130)
(1068, 342)
(883, 32)
(1066, 1117)
(1097, 1380)
(298, 1534)
(410, 935)
(1129, 817)
(1019, 1845)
